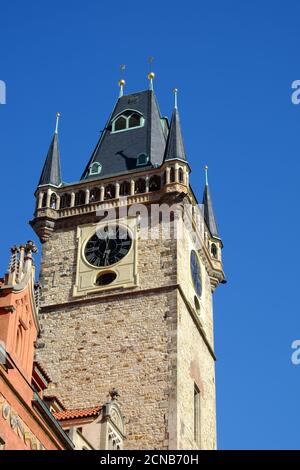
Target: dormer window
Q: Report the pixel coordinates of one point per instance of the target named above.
(142, 160)
(95, 168)
(127, 120)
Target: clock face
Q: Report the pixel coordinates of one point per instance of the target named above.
(107, 246)
(196, 273)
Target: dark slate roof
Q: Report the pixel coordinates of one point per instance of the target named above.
(209, 215)
(117, 152)
(175, 146)
(51, 173)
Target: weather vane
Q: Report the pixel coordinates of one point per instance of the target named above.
(150, 60)
(151, 74)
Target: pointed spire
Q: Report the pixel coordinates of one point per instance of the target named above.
(51, 173)
(57, 122)
(206, 174)
(209, 215)
(175, 146)
(175, 98)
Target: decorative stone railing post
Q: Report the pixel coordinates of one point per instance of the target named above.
(117, 191)
(176, 172)
(186, 177)
(168, 171)
(147, 184)
(102, 193)
(132, 184)
(87, 196)
(72, 199)
(40, 200)
(48, 197)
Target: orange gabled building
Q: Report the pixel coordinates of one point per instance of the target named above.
(25, 420)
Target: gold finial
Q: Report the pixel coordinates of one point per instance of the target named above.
(151, 76)
(121, 85)
(122, 81)
(57, 120)
(206, 174)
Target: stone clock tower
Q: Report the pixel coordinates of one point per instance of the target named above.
(126, 295)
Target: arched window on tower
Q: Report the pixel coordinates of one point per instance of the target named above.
(95, 169)
(79, 198)
(125, 188)
(110, 191)
(172, 175)
(120, 124)
(140, 186)
(129, 119)
(154, 183)
(53, 201)
(214, 250)
(134, 120)
(65, 201)
(180, 175)
(95, 195)
(44, 200)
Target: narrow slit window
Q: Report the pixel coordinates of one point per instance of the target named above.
(197, 416)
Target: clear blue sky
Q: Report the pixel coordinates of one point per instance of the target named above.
(233, 62)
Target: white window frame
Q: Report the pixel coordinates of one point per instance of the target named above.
(127, 128)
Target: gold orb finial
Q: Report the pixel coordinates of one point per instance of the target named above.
(151, 75)
(121, 82)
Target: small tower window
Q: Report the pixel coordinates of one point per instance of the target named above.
(53, 201)
(134, 120)
(44, 200)
(129, 119)
(197, 416)
(154, 183)
(79, 198)
(95, 168)
(140, 186)
(106, 279)
(120, 124)
(95, 195)
(65, 201)
(172, 175)
(214, 250)
(142, 160)
(125, 188)
(197, 304)
(110, 191)
(180, 175)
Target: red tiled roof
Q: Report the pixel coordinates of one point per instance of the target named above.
(73, 414)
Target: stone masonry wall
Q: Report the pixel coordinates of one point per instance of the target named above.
(195, 365)
(126, 344)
